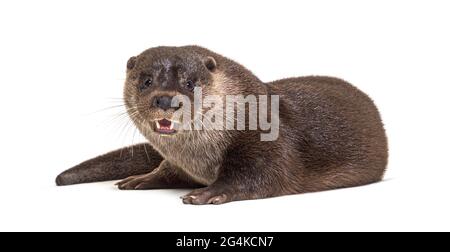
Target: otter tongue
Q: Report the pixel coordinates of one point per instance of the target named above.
(165, 124)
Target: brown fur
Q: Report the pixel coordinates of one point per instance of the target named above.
(138, 159)
(331, 135)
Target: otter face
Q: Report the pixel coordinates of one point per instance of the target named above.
(155, 80)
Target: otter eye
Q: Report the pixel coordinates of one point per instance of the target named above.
(146, 84)
(190, 85)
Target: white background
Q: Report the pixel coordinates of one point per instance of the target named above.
(62, 61)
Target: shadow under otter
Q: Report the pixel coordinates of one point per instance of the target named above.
(330, 134)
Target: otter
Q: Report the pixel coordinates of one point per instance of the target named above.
(330, 133)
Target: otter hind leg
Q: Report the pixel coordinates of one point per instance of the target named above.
(344, 176)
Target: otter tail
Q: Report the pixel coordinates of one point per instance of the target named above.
(134, 160)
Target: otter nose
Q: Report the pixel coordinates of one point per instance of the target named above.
(162, 102)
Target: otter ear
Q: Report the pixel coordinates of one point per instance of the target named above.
(131, 63)
(211, 64)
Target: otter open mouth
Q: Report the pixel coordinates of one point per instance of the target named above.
(165, 126)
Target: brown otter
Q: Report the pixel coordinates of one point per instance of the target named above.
(330, 134)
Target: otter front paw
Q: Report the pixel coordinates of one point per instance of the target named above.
(207, 195)
(136, 182)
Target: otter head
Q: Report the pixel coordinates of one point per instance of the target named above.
(155, 81)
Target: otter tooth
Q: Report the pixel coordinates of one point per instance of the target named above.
(171, 125)
(157, 125)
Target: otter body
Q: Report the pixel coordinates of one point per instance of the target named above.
(330, 134)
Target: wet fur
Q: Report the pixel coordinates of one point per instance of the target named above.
(331, 136)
